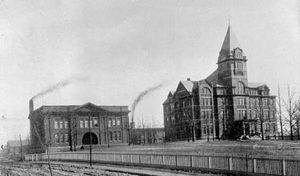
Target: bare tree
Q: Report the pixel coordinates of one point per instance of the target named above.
(280, 113)
(292, 110)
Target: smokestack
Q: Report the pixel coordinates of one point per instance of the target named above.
(31, 108)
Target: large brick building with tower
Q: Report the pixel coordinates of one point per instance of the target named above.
(223, 105)
(73, 126)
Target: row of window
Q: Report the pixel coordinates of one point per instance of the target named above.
(61, 138)
(60, 124)
(114, 122)
(207, 130)
(205, 101)
(206, 114)
(270, 127)
(241, 114)
(115, 135)
(241, 101)
(85, 123)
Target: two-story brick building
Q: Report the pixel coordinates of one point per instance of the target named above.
(223, 105)
(74, 126)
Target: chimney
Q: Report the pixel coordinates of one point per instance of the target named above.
(31, 108)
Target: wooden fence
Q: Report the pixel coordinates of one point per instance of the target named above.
(217, 164)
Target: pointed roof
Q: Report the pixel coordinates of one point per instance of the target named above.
(188, 85)
(230, 42)
(213, 77)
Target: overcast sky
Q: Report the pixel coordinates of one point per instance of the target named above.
(124, 47)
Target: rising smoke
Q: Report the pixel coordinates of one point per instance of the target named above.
(141, 96)
(58, 85)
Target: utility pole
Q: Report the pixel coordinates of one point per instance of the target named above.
(212, 110)
(21, 147)
(261, 118)
(107, 134)
(280, 117)
(121, 121)
(193, 117)
(90, 139)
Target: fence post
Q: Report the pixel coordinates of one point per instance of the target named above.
(163, 159)
(254, 165)
(230, 163)
(283, 168)
(122, 158)
(209, 162)
(191, 158)
(176, 160)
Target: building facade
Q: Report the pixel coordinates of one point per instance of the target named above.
(223, 105)
(75, 126)
(15, 147)
(147, 135)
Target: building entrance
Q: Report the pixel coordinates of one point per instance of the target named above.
(87, 136)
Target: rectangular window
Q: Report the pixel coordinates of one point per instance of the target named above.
(113, 122)
(91, 124)
(56, 138)
(61, 138)
(110, 135)
(118, 121)
(120, 136)
(95, 122)
(81, 124)
(244, 114)
(204, 130)
(109, 123)
(202, 114)
(116, 136)
(86, 124)
(61, 124)
(55, 124)
(66, 124)
(66, 137)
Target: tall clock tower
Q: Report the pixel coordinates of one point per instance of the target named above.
(232, 64)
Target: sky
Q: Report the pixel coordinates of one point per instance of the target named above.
(123, 47)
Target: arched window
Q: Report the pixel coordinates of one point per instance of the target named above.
(240, 88)
(56, 138)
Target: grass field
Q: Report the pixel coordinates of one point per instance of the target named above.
(261, 149)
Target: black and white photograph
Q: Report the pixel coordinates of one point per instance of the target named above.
(150, 88)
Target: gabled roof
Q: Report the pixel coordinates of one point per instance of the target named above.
(170, 95)
(188, 85)
(68, 108)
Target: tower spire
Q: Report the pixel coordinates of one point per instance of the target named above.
(230, 42)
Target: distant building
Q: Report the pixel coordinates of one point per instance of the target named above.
(223, 105)
(14, 147)
(147, 135)
(68, 126)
